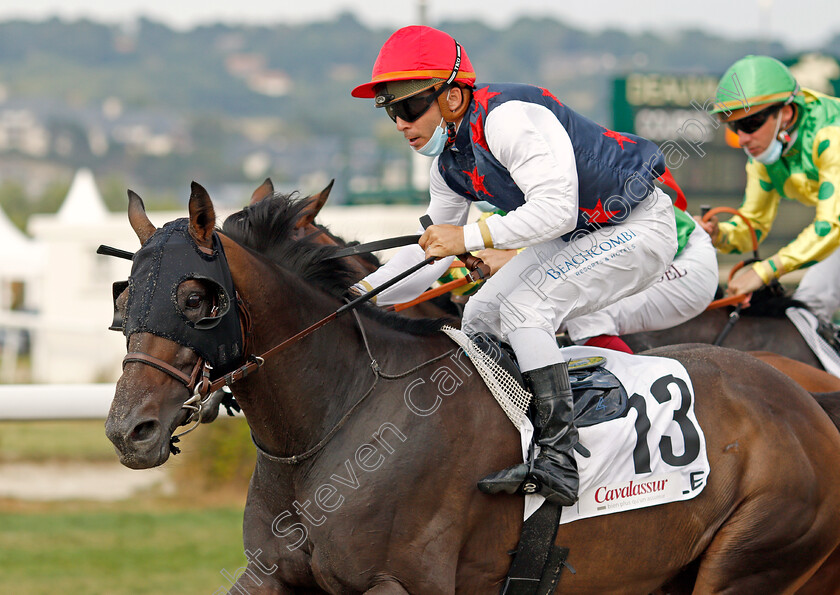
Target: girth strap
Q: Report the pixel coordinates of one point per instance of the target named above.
(537, 562)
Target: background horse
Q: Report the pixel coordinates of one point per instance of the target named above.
(762, 327)
(360, 265)
(355, 492)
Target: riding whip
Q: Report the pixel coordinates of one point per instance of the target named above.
(368, 247)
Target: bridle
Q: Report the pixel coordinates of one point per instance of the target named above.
(197, 382)
(200, 387)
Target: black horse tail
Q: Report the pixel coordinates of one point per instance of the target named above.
(830, 402)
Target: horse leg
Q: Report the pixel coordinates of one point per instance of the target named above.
(768, 547)
(387, 588)
(254, 581)
(826, 581)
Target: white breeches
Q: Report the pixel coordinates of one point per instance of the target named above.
(820, 287)
(681, 293)
(549, 283)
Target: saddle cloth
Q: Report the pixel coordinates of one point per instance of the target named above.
(653, 455)
(806, 323)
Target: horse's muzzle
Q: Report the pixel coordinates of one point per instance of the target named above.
(140, 444)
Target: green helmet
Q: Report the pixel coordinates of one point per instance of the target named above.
(754, 81)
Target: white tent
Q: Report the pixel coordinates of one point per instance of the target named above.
(71, 342)
(83, 203)
(20, 257)
(21, 266)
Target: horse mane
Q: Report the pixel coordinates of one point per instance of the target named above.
(266, 228)
(772, 301)
(366, 256)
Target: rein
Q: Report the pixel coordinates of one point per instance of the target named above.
(378, 374)
(201, 388)
(197, 382)
(255, 362)
(740, 301)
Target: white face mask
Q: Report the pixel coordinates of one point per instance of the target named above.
(773, 151)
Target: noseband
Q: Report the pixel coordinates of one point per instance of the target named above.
(198, 383)
(195, 386)
(168, 258)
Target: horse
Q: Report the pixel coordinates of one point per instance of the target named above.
(812, 379)
(355, 492)
(761, 327)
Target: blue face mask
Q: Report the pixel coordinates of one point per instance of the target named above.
(434, 146)
(773, 152)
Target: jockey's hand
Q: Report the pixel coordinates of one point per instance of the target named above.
(443, 240)
(710, 226)
(495, 258)
(746, 281)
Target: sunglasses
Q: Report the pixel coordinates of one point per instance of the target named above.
(752, 123)
(411, 108)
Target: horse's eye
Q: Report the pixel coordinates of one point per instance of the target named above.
(194, 301)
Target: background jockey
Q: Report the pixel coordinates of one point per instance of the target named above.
(579, 196)
(792, 139)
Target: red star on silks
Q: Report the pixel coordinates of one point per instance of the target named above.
(482, 96)
(598, 214)
(477, 128)
(477, 182)
(548, 93)
(618, 137)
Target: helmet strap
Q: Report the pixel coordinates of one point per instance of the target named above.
(451, 133)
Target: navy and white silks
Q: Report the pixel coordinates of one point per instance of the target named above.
(580, 196)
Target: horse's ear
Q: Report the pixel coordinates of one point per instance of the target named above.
(314, 205)
(265, 190)
(138, 219)
(202, 216)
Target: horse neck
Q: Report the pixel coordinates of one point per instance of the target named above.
(304, 390)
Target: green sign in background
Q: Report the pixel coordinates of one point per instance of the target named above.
(671, 110)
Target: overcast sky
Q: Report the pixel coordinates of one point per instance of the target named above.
(802, 24)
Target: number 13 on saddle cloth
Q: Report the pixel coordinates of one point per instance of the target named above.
(651, 454)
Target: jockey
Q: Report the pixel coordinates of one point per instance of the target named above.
(681, 293)
(792, 140)
(580, 197)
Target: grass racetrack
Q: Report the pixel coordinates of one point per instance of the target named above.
(87, 550)
(153, 542)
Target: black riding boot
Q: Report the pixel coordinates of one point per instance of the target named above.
(555, 473)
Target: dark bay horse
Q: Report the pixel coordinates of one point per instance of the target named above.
(365, 478)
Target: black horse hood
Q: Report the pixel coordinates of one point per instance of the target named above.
(167, 259)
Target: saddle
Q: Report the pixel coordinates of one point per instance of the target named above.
(830, 333)
(598, 395)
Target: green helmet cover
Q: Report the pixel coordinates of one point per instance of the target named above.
(754, 81)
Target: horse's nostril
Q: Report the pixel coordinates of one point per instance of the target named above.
(143, 431)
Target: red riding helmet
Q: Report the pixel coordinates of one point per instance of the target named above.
(418, 53)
